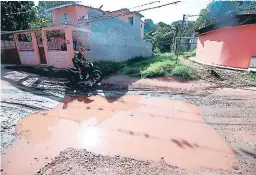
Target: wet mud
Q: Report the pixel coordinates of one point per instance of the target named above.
(134, 126)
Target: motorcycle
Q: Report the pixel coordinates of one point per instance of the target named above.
(89, 72)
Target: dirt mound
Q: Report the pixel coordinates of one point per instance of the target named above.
(221, 76)
(74, 161)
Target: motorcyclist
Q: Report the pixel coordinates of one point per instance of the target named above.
(77, 61)
(81, 63)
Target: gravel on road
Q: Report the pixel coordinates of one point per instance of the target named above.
(231, 112)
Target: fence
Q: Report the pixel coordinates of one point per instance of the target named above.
(9, 52)
(186, 44)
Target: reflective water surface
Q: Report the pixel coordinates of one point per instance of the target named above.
(133, 126)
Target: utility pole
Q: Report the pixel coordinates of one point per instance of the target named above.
(181, 31)
(250, 8)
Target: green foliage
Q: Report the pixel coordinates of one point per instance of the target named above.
(149, 25)
(189, 54)
(39, 23)
(163, 35)
(17, 15)
(109, 67)
(162, 64)
(221, 11)
(183, 71)
(156, 51)
(158, 69)
(134, 60)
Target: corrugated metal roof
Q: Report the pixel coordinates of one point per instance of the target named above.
(242, 19)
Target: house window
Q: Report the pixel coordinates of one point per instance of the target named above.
(130, 20)
(64, 18)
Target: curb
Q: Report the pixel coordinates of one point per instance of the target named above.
(221, 67)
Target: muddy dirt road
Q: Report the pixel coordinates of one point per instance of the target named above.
(127, 132)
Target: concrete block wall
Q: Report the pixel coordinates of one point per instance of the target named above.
(115, 40)
(29, 57)
(115, 48)
(58, 59)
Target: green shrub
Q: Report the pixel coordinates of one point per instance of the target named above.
(156, 51)
(158, 69)
(135, 59)
(183, 71)
(189, 54)
(153, 70)
(109, 67)
(131, 71)
(142, 67)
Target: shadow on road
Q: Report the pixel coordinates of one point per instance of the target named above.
(52, 82)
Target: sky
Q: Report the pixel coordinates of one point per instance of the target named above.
(166, 14)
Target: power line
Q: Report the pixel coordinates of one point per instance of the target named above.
(123, 14)
(145, 4)
(159, 6)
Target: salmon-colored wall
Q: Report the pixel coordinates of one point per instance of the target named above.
(28, 57)
(74, 12)
(231, 47)
(81, 11)
(125, 18)
(122, 17)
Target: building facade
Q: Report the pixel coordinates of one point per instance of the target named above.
(230, 45)
(113, 36)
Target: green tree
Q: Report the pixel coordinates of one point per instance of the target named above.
(39, 23)
(161, 37)
(149, 25)
(221, 11)
(17, 15)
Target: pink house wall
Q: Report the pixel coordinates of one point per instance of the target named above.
(74, 12)
(28, 57)
(81, 11)
(122, 17)
(125, 18)
(231, 47)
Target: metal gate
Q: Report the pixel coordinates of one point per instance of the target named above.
(9, 51)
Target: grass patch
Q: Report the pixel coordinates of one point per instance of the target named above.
(158, 69)
(109, 67)
(189, 54)
(159, 65)
(183, 71)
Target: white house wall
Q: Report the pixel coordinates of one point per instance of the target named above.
(116, 40)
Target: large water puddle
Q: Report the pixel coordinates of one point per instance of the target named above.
(132, 126)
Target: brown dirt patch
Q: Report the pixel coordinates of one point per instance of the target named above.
(132, 126)
(163, 83)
